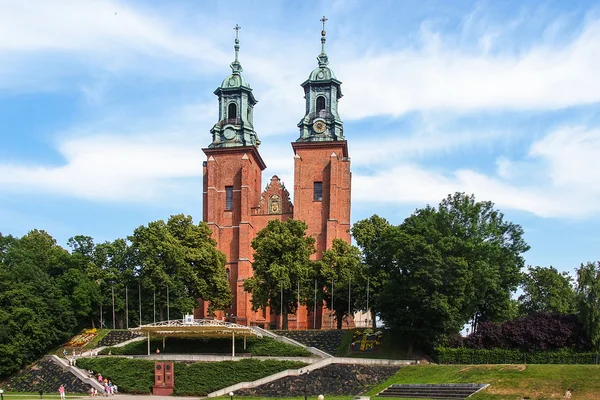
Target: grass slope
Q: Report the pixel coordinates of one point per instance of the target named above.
(508, 382)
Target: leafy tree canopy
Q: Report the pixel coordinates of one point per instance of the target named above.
(281, 264)
(546, 290)
(588, 301)
(448, 265)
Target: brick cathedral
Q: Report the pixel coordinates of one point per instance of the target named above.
(234, 204)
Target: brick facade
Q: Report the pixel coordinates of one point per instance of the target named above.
(235, 206)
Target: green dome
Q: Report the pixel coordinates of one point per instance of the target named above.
(234, 81)
(321, 73)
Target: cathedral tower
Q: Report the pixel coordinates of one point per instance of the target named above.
(232, 178)
(322, 175)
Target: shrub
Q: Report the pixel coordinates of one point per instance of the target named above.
(445, 355)
(191, 379)
(534, 332)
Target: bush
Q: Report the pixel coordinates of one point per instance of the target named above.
(191, 379)
(445, 355)
(535, 332)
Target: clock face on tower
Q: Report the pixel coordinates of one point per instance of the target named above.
(319, 126)
(229, 133)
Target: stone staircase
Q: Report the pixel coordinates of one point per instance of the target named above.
(432, 391)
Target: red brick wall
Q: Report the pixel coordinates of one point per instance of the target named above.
(241, 167)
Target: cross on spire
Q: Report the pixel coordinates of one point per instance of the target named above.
(323, 61)
(236, 67)
(323, 20)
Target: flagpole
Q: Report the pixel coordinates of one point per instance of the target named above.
(126, 309)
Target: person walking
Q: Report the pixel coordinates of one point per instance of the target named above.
(61, 390)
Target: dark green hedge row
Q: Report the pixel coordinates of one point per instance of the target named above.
(445, 355)
(254, 346)
(191, 379)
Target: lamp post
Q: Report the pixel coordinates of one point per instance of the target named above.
(320, 397)
(305, 373)
(1, 394)
(231, 395)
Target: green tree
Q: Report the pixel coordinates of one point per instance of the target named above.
(281, 260)
(183, 257)
(368, 235)
(340, 268)
(546, 290)
(448, 265)
(35, 310)
(588, 301)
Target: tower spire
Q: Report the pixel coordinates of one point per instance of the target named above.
(236, 67)
(322, 58)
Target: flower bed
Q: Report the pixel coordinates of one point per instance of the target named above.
(82, 339)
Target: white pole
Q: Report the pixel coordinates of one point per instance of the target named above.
(349, 298)
(298, 308)
(126, 309)
(168, 317)
(154, 304)
(148, 343)
(332, 312)
(233, 344)
(140, 300)
(368, 312)
(315, 308)
(112, 289)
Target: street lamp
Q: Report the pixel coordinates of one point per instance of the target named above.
(231, 395)
(306, 373)
(1, 394)
(320, 397)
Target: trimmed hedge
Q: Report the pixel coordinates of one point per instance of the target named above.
(191, 379)
(254, 346)
(445, 355)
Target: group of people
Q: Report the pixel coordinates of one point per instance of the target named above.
(110, 388)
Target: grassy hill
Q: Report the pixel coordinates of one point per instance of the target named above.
(508, 382)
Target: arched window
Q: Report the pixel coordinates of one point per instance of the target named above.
(320, 103)
(232, 111)
(228, 275)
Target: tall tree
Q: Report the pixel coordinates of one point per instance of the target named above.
(340, 268)
(448, 265)
(368, 234)
(281, 259)
(547, 290)
(588, 301)
(35, 311)
(183, 257)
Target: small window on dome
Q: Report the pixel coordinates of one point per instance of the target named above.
(232, 111)
(320, 104)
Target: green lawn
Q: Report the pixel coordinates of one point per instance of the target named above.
(508, 382)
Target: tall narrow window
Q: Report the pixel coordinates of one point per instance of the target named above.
(318, 193)
(320, 104)
(229, 197)
(232, 111)
(228, 274)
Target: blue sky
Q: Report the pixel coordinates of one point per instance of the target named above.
(106, 105)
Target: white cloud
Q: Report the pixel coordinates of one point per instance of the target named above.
(439, 75)
(558, 178)
(135, 169)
